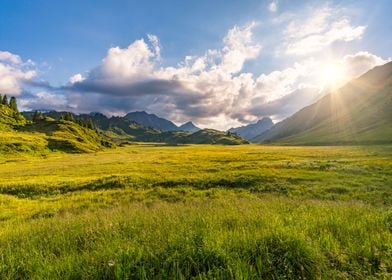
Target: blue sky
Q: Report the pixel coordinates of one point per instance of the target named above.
(275, 42)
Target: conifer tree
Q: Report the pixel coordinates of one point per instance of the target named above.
(13, 104)
(90, 124)
(5, 100)
(37, 116)
(69, 117)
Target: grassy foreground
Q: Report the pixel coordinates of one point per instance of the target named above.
(201, 212)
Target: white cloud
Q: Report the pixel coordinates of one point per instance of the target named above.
(273, 6)
(13, 73)
(76, 78)
(361, 62)
(212, 89)
(132, 62)
(324, 27)
(155, 43)
(10, 57)
(43, 100)
(239, 47)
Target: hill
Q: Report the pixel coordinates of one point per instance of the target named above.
(358, 113)
(9, 117)
(254, 129)
(67, 136)
(42, 134)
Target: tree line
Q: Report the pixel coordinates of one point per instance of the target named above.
(11, 103)
(39, 116)
(66, 116)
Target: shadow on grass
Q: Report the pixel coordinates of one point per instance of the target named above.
(254, 184)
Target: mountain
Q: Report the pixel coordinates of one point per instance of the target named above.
(254, 129)
(151, 120)
(189, 126)
(358, 113)
(122, 130)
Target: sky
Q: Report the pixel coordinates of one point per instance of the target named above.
(217, 63)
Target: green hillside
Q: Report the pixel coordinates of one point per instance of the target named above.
(12, 140)
(9, 118)
(358, 113)
(68, 136)
(45, 134)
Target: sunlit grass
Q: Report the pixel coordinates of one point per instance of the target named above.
(203, 212)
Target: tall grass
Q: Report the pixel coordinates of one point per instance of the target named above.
(198, 212)
(228, 238)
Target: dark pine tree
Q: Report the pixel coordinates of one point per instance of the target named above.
(90, 124)
(5, 100)
(37, 116)
(13, 104)
(67, 116)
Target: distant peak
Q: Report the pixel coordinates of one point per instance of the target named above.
(265, 119)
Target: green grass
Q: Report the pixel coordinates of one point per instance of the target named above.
(198, 212)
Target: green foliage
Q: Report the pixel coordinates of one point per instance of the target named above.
(13, 104)
(4, 101)
(9, 117)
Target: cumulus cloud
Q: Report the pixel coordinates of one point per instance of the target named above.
(360, 62)
(10, 57)
(322, 28)
(200, 87)
(76, 78)
(211, 89)
(13, 73)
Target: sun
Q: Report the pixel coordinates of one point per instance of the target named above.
(332, 75)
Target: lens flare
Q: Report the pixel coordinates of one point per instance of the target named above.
(333, 75)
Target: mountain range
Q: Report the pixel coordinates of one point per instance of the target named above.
(151, 120)
(105, 130)
(252, 130)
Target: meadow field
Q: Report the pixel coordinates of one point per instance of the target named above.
(148, 211)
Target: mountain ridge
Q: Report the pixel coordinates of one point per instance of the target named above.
(253, 129)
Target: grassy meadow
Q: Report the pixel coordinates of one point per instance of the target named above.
(150, 211)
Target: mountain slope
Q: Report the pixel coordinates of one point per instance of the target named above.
(44, 134)
(358, 113)
(67, 136)
(151, 120)
(254, 129)
(14, 141)
(10, 118)
(188, 126)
